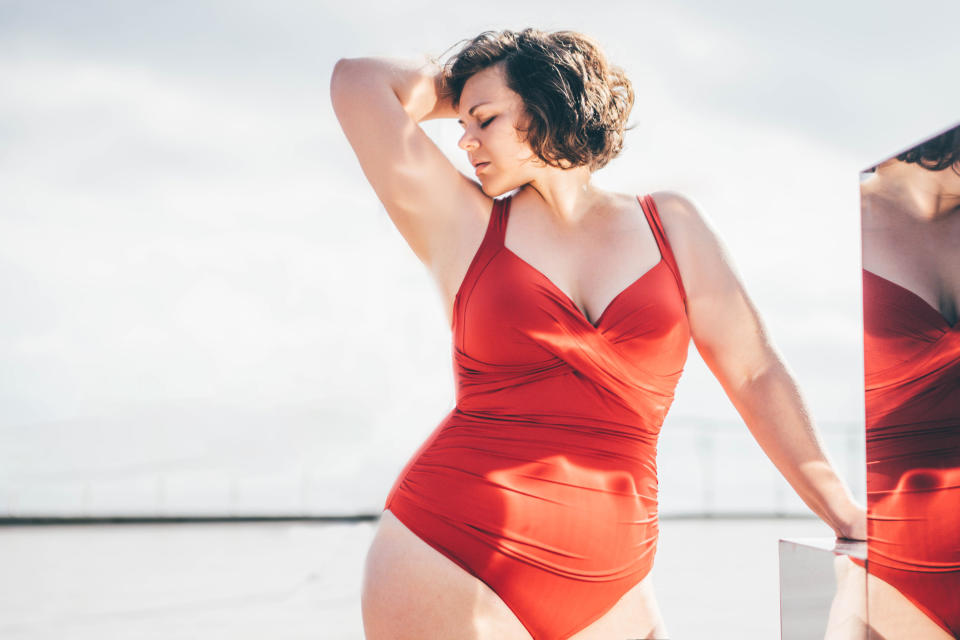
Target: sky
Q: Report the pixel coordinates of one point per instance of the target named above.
(200, 288)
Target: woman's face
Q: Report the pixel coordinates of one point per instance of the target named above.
(490, 113)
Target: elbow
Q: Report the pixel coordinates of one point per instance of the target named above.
(764, 381)
(350, 75)
(340, 68)
(341, 64)
(343, 69)
(760, 373)
(748, 377)
(342, 72)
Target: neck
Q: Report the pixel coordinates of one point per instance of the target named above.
(568, 195)
(917, 192)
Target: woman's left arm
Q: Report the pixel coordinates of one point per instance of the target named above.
(731, 338)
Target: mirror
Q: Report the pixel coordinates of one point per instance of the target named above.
(910, 221)
(822, 595)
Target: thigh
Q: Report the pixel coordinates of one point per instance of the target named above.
(847, 619)
(636, 616)
(411, 590)
(892, 615)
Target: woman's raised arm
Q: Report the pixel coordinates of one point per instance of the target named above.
(379, 103)
(731, 338)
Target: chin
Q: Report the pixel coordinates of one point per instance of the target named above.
(485, 187)
(497, 189)
(492, 189)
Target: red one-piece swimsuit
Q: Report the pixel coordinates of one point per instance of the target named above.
(542, 480)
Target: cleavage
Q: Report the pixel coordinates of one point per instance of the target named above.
(619, 285)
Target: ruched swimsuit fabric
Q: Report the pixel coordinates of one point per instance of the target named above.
(542, 480)
(912, 375)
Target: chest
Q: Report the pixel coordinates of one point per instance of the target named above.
(512, 314)
(590, 266)
(921, 260)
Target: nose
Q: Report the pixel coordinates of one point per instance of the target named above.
(467, 141)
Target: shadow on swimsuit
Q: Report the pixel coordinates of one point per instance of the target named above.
(542, 527)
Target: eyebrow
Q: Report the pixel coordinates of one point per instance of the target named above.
(470, 112)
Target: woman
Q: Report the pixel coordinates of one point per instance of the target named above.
(911, 297)
(531, 510)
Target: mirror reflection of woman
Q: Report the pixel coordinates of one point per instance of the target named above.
(911, 292)
(531, 510)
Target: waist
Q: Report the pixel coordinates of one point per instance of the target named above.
(511, 481)
(561, 430)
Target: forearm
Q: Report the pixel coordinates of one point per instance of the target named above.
(774, 411)
(416, 82)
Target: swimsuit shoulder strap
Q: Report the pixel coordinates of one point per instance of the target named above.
(498, 220)
(653, 217)
(496, 228)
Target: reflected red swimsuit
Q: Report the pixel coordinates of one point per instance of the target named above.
(542, 481)
(912, 371)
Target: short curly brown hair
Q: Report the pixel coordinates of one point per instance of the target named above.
(937, 153)
(576, 102)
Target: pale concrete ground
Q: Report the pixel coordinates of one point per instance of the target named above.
(714, 579)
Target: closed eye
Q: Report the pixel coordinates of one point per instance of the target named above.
(482, 124)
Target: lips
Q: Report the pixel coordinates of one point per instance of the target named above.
(480, 165)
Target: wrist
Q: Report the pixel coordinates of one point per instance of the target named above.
(850, 519)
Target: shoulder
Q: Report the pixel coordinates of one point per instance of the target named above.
(677, 210)
(687, 227)
(702, 259)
